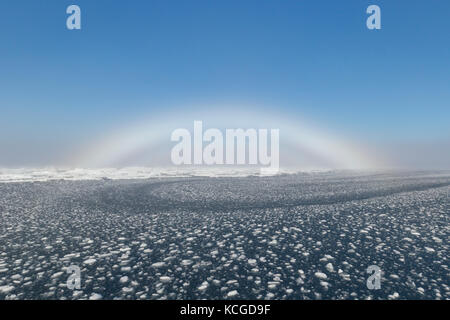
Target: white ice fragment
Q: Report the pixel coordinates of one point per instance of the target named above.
(232, 293)
(393, 296)
(165, 279)
(95, 296)
(203, 286)
(89, 261)
(186, 262)
(6, 289)
(57, 275)
(320, 275)
(158, 264)
(437, 240)
(329, 267)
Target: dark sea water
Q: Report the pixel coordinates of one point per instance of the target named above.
(301, 236)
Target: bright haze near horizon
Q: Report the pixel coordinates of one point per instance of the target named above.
(339, 93)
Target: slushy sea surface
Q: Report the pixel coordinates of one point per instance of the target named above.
(292, 236)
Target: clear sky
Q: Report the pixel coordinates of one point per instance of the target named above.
(59, 88)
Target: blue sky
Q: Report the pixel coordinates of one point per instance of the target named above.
(311, 58)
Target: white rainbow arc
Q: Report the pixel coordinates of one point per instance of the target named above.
(119, 145)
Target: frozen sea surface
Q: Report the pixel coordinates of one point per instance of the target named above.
(298, 236)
